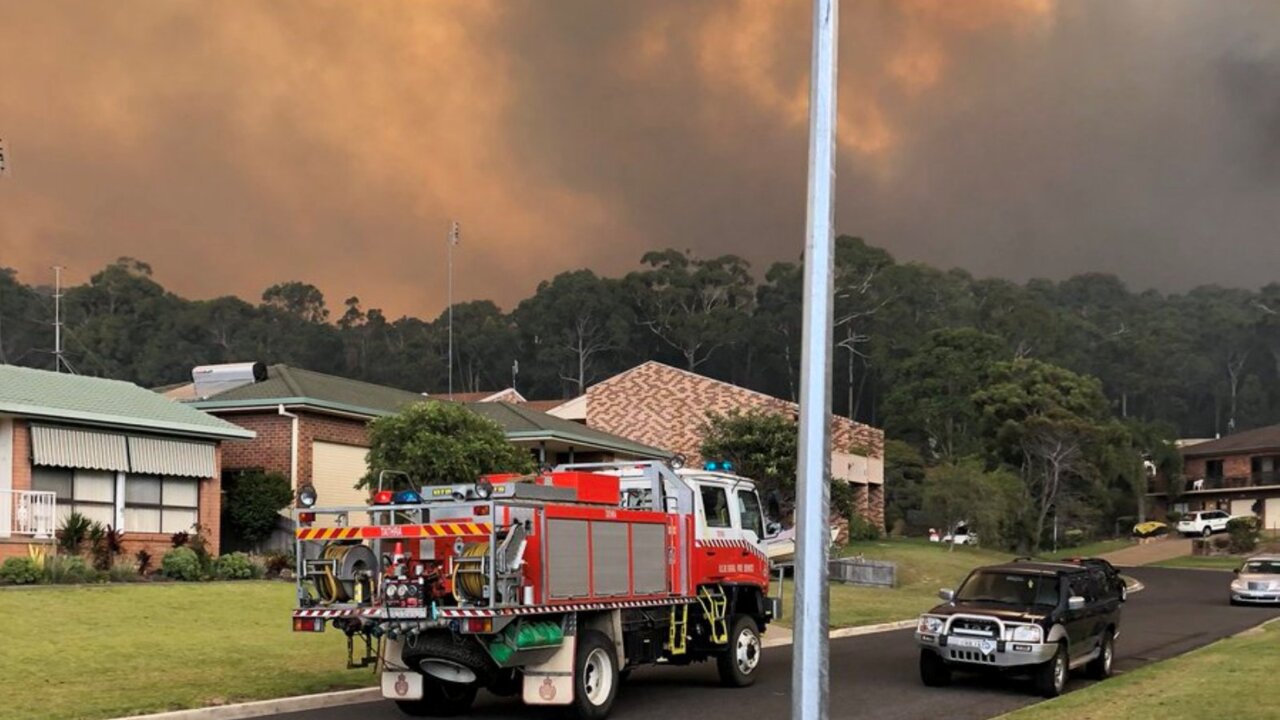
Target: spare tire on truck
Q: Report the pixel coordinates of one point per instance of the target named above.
(453, 668)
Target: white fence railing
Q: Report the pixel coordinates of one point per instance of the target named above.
(31, 513)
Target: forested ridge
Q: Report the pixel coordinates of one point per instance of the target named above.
(1201, 362)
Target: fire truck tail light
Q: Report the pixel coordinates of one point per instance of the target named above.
(480, 510)
(306, 517)
(301, 624)
(479, 625)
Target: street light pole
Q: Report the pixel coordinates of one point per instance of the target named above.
(809, 675)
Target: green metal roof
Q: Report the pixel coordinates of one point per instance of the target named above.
(523, 423)
(97, 401)
(293, 386)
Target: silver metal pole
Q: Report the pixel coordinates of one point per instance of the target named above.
(57, 318)
(809, 679)
(453, 240)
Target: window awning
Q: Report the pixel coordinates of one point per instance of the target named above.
(177, 458)
(53, 446)
(74, 448)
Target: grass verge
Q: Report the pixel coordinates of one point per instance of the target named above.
(1228, 679)
(100, 652)
(1202, 562)
(923, 568)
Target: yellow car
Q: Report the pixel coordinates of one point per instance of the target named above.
(1150, 528)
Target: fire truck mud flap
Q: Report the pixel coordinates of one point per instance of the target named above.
(551, 682)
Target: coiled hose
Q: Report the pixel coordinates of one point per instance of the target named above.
(328, 586)
(468, 577)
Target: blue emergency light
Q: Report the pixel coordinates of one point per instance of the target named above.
(723, 465)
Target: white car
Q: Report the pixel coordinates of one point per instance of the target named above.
(961, 536)
(1257, 581)
(1204, 523)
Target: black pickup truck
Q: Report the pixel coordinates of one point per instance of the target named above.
(1044, 619)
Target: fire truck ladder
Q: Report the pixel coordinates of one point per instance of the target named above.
(714, 603)
(679, 635)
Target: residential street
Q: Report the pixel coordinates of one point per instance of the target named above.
(875, 676)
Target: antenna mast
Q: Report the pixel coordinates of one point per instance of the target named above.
(58, 361)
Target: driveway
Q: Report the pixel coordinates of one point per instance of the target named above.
(875, 676)
(1165, 548)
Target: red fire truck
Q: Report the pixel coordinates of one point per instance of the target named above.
(550, 586)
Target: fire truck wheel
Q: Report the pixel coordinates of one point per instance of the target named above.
(595, 676)
(738, 662)
(439, 699)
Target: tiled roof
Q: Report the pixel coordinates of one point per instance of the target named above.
(295, 386)
(1263, 438)
(519, 422)
(660, 405)
(78, 398)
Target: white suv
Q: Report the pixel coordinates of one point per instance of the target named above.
(1203, 523)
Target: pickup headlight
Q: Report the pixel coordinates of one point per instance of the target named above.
(930, 625)
(1026, 634)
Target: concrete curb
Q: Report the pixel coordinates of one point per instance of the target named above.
(1132, 584)
(259, 708)
(781, 640)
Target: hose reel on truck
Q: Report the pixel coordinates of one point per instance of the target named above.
(343, 573)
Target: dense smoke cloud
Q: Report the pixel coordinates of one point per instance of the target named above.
(233, 145)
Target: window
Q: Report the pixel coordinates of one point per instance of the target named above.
(160, 505)
(749, 512)
(92, 493)
(715, 507)
(1213, 468)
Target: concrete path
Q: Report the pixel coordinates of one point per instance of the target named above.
(1166, 548)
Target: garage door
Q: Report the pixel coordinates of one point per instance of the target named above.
(335, 469)
(1272, 514)
(1242, 508)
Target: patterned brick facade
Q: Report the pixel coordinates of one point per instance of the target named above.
(666, 407)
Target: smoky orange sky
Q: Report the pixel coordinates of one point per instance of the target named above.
(236, 144)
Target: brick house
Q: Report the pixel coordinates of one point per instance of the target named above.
(663, 406)
(110, 450)
(313, 428)
(1239, 473)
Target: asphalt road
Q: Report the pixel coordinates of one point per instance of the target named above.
(875, 676)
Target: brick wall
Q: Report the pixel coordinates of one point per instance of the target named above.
(270, 450)
(21, 455)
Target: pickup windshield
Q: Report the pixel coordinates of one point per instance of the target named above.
(1262, 567)
(1010, 589)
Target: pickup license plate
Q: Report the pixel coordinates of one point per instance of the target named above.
(985, 646)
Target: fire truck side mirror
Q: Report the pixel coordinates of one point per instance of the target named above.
(772, 529)
(773, 505)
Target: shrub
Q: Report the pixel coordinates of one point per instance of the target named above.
(200, 546)
(235, 566)
(74, 531)
(181, 563)
(862, 529)
(278, 562)
(253, 502)
(1243, 534)
(105, 543)
(1222, 543)
(144, 561)
(179, 539)
(123, 571)
(1073, 537)
(19, 571)
(1173, 517)
(68, 570)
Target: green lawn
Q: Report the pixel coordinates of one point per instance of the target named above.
(1102, 547)
(1233, 678)
(99, 652)
(923, 568)
(1209, 562)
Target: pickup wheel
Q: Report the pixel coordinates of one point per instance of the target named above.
(1051, 677)
(595, 676)
(933, 671)
(1100, 667)
(737, 663)
(439, 699)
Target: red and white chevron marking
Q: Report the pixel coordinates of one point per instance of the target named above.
(542, 609)
(730, 544)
